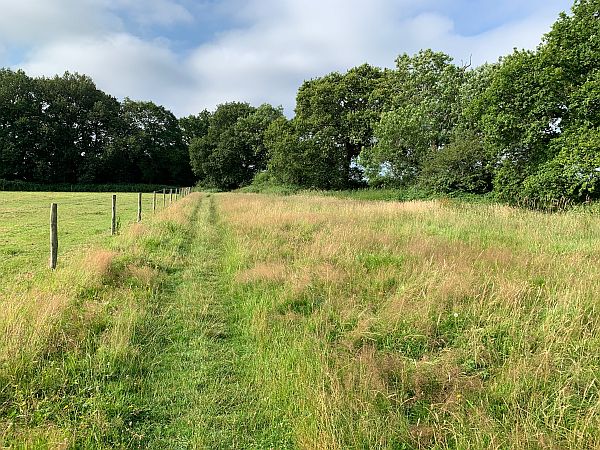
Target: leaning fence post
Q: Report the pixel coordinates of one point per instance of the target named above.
(53, 235)
(113, 222)
(154, 203)
(139, 216)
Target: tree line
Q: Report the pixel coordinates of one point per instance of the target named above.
(525, 129)
(65, 130)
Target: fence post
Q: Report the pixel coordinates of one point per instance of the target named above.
(53, 235)
(170, 195)
(164, 197)
(154, 203)
(113, 222)
(139, 216)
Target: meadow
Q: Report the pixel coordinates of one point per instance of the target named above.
(304, 321)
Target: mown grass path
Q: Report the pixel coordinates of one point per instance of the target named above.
(195, 393)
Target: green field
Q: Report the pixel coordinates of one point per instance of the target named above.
(84, 219)
(308, 322)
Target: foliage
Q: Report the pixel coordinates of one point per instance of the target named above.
(461, 166)
(194, 126)
(154, 145)
(536, 97)
(333, 123)
(232, 151)
(573, 174)
(65, 130)
(420, 115)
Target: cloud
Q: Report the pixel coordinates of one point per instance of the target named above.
(261, 51)
(152, 12)
(120, 64)
(33, 22)
(286, 42)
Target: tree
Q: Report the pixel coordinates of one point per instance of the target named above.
(521, 111)
(419, 116)
(194, 126)
(294, 160)
(334, 113)
(463, 165)
(20, 126)
(151, 149)
(251, 129)
(222, 158)
(573, 174)
(537, 97)
(79, 122)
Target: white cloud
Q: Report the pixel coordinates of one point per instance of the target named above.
(120, 64)
(275, 46)
(34, 21)
(152, 12)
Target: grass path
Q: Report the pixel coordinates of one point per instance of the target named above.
(196, 394)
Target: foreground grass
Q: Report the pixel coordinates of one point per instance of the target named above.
(256, 321)
(78, 358)
(423, 324)
(142, 347)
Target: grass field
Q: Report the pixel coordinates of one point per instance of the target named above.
(84, 219)
(257, 321)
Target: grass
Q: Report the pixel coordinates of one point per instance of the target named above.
(83, 219)
(312, 322)
(421, 324)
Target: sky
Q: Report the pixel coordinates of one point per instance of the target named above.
(188, 55)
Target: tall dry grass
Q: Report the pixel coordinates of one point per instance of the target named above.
(422, 323)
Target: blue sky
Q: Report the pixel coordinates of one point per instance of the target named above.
(189, 55)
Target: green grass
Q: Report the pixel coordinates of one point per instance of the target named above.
(83, 219)
(258, 321)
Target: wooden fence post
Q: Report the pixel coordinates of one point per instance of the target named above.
(113, 221)
(170, 195)
(139, 217)
(154, 203)
(53, 235)
(164, 197)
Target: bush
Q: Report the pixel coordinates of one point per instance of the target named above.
(6, 185)
(461, 166)
(264, 182)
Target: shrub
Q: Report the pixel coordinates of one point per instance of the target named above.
(461, 166)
